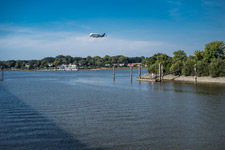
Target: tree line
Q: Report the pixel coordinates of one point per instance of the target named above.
(209, 62)
(82, 62)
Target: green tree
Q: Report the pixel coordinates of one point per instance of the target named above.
(56, 63)
(83, 62)
(202, 68)
(44, 63)
(98, 61)
(121, 59)
(213, 50)
(10, 64)
(154, 61)
(217, 67)
(107, 60)
(18, 64)
(152, 68)
(23, 66)
(143, 60)
(198, 55)
(49, 59)
(178, 60)
(179, 55)
(76, 60)
(151, 60)
(61, 59)
(69, 59)
(188, 68)
(90, 60)
(164, 60)
(32, 64)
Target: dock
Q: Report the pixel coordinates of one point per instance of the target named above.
(147, 80)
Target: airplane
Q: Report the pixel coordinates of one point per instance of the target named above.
(96, 35)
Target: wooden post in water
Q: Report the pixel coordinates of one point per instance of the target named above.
(2, 74)
(160, 77)
(131, 71)
(113, 72)
(139, 71)
(162, 72)
(195, 68)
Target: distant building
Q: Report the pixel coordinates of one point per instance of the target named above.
(121, 65)
(107, 65)
(69, 67)
(134, 64)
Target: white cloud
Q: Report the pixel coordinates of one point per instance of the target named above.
(175, 10)
(27, 43)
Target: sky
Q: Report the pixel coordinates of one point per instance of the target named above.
(34, 29)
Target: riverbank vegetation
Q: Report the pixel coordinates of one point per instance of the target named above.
(209, 62)
(82, 63)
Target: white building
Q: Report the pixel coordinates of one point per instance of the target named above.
(69, 67)
(107, 65)
(121, 65)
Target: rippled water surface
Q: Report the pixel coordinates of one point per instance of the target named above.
(87, 110)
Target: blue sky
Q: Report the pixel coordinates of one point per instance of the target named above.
(33, 29)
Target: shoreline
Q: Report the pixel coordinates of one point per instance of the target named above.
(189, 79)
(146, 77)
(97, 69)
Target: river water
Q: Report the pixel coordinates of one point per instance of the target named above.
(87, 110)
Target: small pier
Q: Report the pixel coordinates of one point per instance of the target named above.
(178, 77)
(158, 77)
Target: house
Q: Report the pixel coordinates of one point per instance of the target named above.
(134, 64)
(121, 65)
(69, 67)
(107, 65)
(27, 66)
(130, 64)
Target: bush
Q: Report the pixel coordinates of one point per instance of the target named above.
(202, 68)
(188, 68)
(217, 68)
(176, 66)
(152, 68)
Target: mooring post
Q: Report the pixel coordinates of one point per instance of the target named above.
(113, 72)
(2, 73)
(131, 71)
(195, 68)
(160, 72)
(139, 71)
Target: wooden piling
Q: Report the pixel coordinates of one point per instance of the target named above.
(131, 72)
(139, 71)
(195, 69)
(160, 77)
(2, 74)
(114, 73)
(162, 72)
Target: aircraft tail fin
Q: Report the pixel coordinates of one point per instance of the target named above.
(103, 35)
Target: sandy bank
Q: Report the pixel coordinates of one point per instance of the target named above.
(220, 80)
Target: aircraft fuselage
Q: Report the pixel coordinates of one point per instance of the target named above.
(96, 35)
